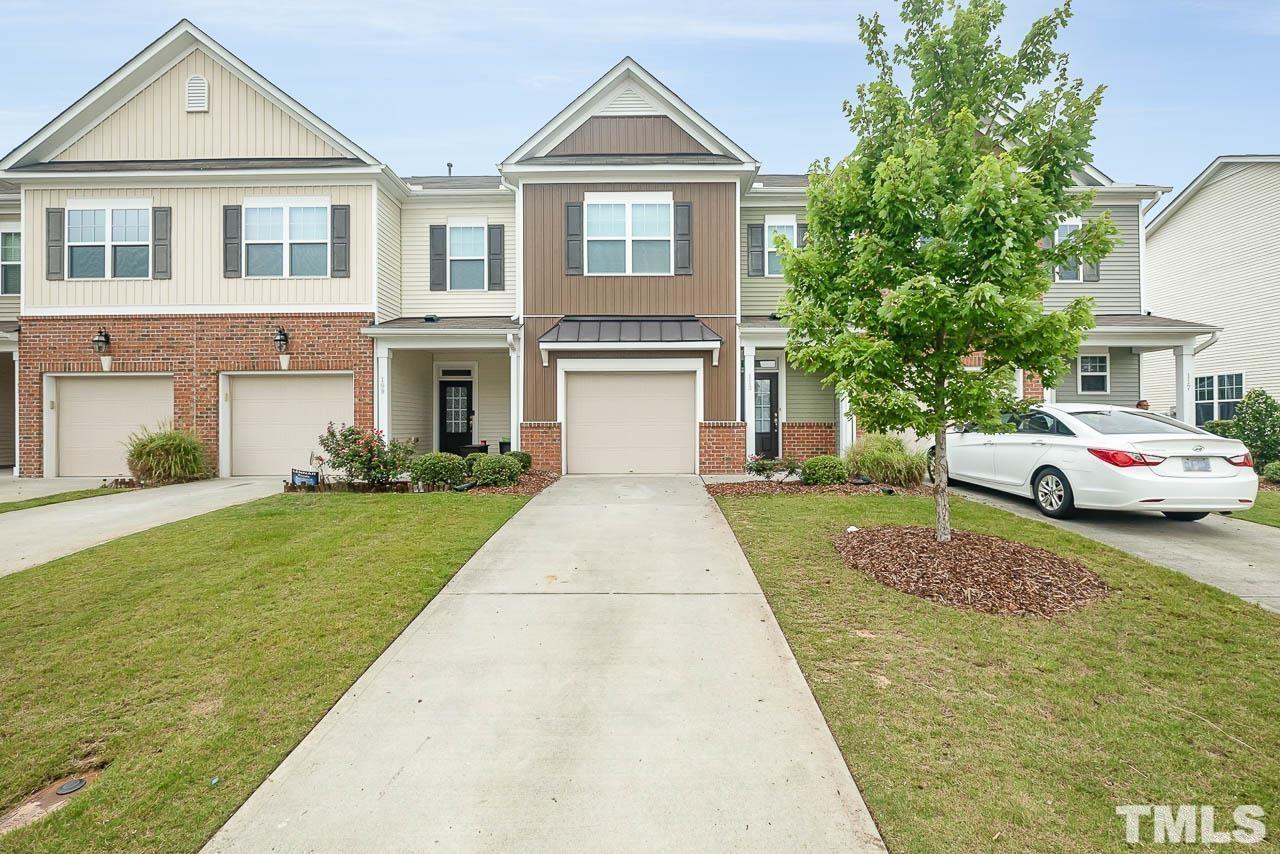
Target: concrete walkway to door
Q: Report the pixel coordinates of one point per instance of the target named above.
(605, 675)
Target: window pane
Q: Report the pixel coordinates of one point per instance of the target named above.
(1204, 412)
(651, 256)
(264, 223)
(1066, 230)
(1093, 382)
(1230, 386)
(1117, 421)
(764, 405)
(309, 259)
(1227, 409)
(87, 262)
(466, 275)
(10, 246)
(130, 225)
(87, 226)
(10, 279)
(775, 264)
(787, 231)
(1093, 364)
(606, 256)
(606, 220)
(1204, 388)
(308, 223)
(1070, 271)
(264, 259)
(466, 241)
(651, 220)
(130, 262)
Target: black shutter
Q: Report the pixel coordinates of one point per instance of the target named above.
(1092, 272)
(161, 245)
(439, 256)
(755, 249)
(497, 268)
(573, 239)
(55, 235)
(802, 234)
(684, 238)
(340, 241)
(231, 242)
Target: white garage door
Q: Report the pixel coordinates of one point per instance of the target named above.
(630, 422)
(96, 416)
(276, 420)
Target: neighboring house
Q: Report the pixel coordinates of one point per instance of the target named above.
(196, 247)
(1214, 254)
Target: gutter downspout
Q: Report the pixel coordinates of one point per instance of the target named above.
(1200, 348)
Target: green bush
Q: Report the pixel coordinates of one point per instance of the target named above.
(526, 460)
(1271, 472)
(470, 460)
(823, 470)
(364, 455)
(1223, 427)
(769, 467)
(167, 456)
(886, 459)
(1257, 424)
(438, 469)
(495, 470)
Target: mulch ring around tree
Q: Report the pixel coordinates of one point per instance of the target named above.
(973, 572)
(795, 487)
(531, 483)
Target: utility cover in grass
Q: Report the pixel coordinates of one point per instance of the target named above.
(973, 571)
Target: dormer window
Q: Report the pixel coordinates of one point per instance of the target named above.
(197, 94)
(629, 234)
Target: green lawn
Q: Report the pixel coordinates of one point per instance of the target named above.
(58, 498)
(207, 648)
(972, 732)
(1266, 510)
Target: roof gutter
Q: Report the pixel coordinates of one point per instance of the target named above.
(548, 346)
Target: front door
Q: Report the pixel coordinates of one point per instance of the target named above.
(766, 403)
(456, 412)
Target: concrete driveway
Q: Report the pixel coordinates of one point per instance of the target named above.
(604, 674)
(1237, 556)
(24, 488)
(41, 534)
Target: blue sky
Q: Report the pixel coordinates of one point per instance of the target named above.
(423, 83)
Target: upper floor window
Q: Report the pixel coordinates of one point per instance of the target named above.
(1068, 271)
(286, 238)
(629, 234)
(467, 254)
(1094, 374)
(10, 259)
(108, 240)
(775, 224)
(1217, 396)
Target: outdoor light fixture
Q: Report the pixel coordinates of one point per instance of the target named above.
(281, 339)
(101, 343)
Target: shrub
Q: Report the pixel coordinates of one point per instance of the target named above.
(824, 469)
(495, 470)
(470, 460)
(167, 456)
(364, 455)
(1223, 427)
(438, 469)
(886, 459)
(526, 460)
(1271, 472)
(1257, 424)
(765, 467)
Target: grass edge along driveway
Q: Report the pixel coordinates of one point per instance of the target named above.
(207, 649)
(975, 732)
(1265, 511)
(59, 498)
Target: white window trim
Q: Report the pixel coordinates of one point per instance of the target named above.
(285, 204)
(1080, 374)
(781, 220)
(627, 200)
(466, 222)
(1057, 271)
(1218, 401)
(14, 228)
(108, 264)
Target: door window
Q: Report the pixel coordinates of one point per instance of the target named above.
(455, 409)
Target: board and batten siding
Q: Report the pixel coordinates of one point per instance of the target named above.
(1119, 289)
(1217, 261)
(1125, 383)
(240, 122)
(417, 217)
(760, 294)
(412, 387)
(389, 259)
(629, 135)
(197, 253)
(10, 303)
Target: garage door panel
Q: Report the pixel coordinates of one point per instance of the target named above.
(619, 423)
(97, 415)
(276, 420)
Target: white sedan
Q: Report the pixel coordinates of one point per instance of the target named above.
(1077, 455)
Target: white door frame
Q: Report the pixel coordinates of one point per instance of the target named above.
(436, 379)
(49, 408)
(224, 405)
(629, 366)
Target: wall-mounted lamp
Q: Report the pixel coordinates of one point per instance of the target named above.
(281, 340)
(101, 343)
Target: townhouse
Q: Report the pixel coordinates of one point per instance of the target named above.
(192, 246)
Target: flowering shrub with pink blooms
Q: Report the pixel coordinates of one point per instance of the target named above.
(365, 456)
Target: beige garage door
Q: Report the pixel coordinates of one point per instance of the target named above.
(630, 423)
(96, 416)
(276, 420)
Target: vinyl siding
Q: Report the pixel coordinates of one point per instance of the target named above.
(409, 396)
(760, 295)
(389, 261)
(1119, 290)
(417, 217)
(1125, 382)
(241, 122)
(629, 135)
(9, 303)
(7, 379)
(806, 398)
(412, 386)
(1218, 261)
(197, 254)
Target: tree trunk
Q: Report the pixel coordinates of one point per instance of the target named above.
(941, 506)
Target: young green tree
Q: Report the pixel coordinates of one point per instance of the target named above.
(928, 243)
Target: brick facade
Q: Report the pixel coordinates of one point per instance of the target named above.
(804, 439)
(722, 447)
(1032, 387)
(195, 349)
(541, 440)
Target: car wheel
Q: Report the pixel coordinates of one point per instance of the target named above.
(1053, 494)
(1185, 517)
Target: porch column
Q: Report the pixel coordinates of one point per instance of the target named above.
(846, 428)
(381, 392)
(1184, 370)
(513, 390)
(749, 395)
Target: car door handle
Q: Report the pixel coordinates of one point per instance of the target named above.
(988, 442)
(1038, 442)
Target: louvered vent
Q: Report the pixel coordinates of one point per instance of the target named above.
(197, 94)
(629, 102)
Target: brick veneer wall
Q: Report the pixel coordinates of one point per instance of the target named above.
(541, 440)
(1032, 387)
(804, 439)
(195, 349)
(722, 447)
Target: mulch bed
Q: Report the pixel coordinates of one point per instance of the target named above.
(794, 487)
(531, 483)
(973, 572)
(1268, 486)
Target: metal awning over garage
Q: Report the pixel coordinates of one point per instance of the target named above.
(630, 332)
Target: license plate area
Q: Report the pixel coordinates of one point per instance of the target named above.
(1196, 464)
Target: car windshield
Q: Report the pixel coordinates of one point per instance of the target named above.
(1119, 421)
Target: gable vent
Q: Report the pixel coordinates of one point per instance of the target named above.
(629, 102)
(197, 94)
